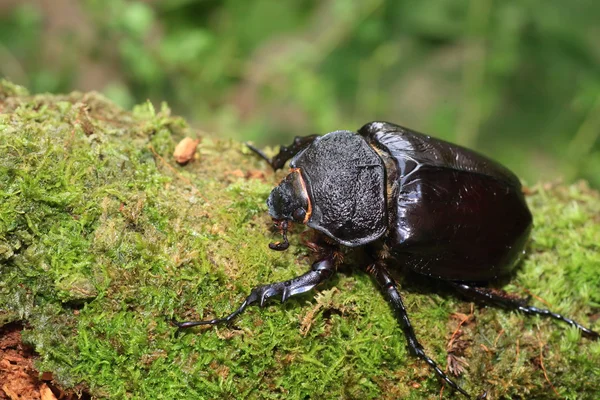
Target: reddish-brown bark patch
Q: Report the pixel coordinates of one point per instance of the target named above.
(18, 378)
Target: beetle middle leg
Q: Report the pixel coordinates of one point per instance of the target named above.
(285, 152)
(507, 301)
(389, 288)
(320, 271)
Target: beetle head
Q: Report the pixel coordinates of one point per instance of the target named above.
(288, 202)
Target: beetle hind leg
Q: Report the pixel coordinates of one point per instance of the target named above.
(388, 286)
(285, 152)
(507, 301)
(321, 271)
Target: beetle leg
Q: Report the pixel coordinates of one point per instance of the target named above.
(285, 152)
(389, 287)
(507, 301)
(321, 271)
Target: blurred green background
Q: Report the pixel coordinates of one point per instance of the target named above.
(516, 79)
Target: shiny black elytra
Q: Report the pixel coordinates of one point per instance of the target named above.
(409, 200)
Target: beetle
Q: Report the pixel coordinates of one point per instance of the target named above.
(409, 200)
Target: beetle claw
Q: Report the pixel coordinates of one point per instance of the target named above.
(507, 301)
(321, 271)
(264, 295)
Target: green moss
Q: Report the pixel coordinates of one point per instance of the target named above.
(103, 238)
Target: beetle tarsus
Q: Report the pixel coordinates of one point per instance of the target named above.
(285, 152)
(507, 301)
(225, 320)
(321, 271)
(388, 285)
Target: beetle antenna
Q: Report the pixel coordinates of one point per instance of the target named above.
(280, 246)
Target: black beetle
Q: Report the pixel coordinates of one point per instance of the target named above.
(409, 200)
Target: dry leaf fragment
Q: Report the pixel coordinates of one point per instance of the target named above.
(46, 393)
(236, 173)
(185, 150)
(255, 174)
(456, 364)
(10, 393)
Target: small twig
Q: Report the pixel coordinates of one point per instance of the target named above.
(538, 298)
(542, 364)
(451, 341)
(498, 338)
(307, 321)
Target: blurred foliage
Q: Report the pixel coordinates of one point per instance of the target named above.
(516, 79)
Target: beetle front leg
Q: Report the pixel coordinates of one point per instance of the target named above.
(320, 271)
(285, 152)
(504, 300)
(389, 288)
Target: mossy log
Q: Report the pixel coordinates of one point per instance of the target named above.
(104, 238)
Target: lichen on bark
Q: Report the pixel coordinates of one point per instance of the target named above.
(103, 238)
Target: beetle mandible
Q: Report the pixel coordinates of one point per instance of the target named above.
(409, 200)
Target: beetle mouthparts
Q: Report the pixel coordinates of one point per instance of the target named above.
(280, 246)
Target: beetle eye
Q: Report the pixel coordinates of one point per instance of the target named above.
(299, 214)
